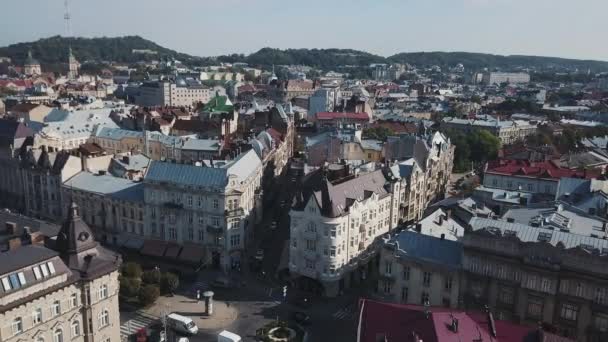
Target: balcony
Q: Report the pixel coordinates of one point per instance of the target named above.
(215, 230)
(310, 254)
(234, 212)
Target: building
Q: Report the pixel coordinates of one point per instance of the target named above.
(492, 78)
(534, 177)
(342, 144)
(379, 72)
(69, 292)
(508, 132)
(219, 109)
(335, 227)
(73, 65)
(323, 100)
(326, 120)
(29, 112)
(174, 94)
(424, 171)
(31, 67)
(42, 176)
(538, 274)
(380, 321)
(420, 269)
(215, 207)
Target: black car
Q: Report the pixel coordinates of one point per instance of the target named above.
(300, 318)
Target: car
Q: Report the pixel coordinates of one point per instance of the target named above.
(259, 255)
(300, 317)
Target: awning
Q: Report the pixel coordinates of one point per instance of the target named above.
(172, 250)
(153, 248)
(192, 253)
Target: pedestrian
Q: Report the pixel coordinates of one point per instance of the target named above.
(228, 304)
(198, 295)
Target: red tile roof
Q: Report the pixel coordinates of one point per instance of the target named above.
(546, 169)
(399, 323)
(339, 115)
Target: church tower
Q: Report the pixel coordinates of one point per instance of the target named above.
(31, 66)
(73, 66)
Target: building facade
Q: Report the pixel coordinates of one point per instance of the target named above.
(335, 229)
(58, 295)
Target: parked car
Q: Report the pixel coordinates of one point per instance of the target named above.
(300, 317)
(221, 282)
(182, 324)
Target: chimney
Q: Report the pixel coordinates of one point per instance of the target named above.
(125, 159)
(442, 236)
(418, 227)
(14, 243)
(11, 228)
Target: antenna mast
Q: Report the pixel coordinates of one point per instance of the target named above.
(67, 17)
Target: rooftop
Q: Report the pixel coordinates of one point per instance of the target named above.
(410, 244)
(120, 188)
(340, 115)
(544, 169)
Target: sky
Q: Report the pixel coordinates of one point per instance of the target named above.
(561, 28)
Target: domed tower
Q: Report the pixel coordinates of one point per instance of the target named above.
(31, 66)
(73, 65)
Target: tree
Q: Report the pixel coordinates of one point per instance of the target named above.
(151, 276)
(170, 282)
(148, 294)
(378, 133)
(131, 270)
(129, 287)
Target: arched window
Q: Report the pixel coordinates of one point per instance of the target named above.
(56, 308)
(74, 300)
(75, 328)
(58, 335)
(104, 318)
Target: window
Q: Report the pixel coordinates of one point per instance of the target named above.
(579, 290)
(45, 270)
(310, 264)
(404, 294)
(37, 273)
(215, 221)
(201, 235)
(544, 236)
(6, 284)
(545, 285)
(235, 240)
(189, 200)
(40, 339)
(311, 245)
(55, 308)
(311, 227)
(172, 233)
(190, 233)
(216, 203)
(103, 292)
(73, 300)
(600, 295)
(332, 251)
(104, 319)
(569, 312)
(535, 307)
(17, 326)
(294, 243)
(58, 335)
(388, 267)
(37, 316)
(406, 273)
(387, 287)
(426, 279)
(506, 295)
(75, 328)
(448, 283)
(425, 298)
(600, 322)
(532, 282)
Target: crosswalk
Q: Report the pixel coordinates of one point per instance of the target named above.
(141, 320)
(344, 313)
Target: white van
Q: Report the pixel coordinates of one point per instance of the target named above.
(227, 336)
(182, 324)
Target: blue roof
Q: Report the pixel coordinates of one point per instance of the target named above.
(184, 174)
(418, 246)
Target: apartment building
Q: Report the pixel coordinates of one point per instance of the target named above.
(539, 274)
(68, 293)
(497, 78)
(175, 94)
(508, 132)
(335, 227)
(420, 269)
(426, 162)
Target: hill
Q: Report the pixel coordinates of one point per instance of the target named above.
(477, 61)
(128, 49)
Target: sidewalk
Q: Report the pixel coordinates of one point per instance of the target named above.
(223, 315)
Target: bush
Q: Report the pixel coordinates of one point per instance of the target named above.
(170, 282)
(129, 287)
(151, 277)
(131, 270)
(148, 294)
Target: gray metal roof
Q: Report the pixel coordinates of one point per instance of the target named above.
(106, 185)
(24, 256)
(183, 174)
(531, 234)
(422, 247)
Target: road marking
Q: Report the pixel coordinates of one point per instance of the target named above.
(141, 320)
(344, 313)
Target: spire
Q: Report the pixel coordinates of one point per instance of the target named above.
(75, 235)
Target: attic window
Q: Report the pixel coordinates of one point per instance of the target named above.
(509, 233)
(544, 236)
